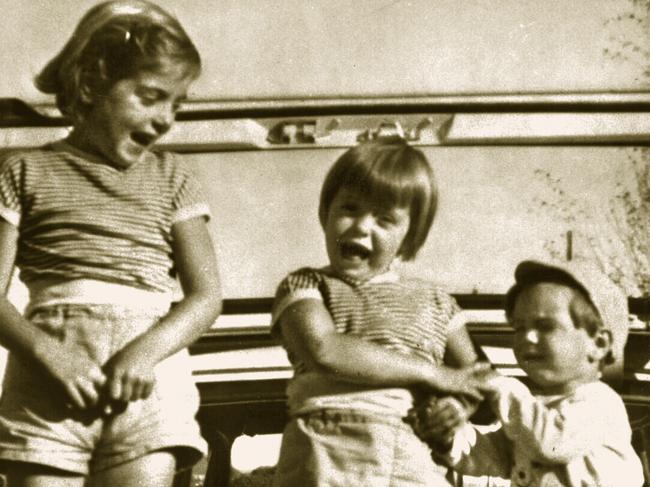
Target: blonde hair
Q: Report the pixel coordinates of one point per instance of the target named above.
(114, 40)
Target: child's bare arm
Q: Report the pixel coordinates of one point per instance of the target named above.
(309, 333)
(79, 375)
(130, 371)
(460, 352)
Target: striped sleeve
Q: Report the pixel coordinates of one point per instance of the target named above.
(10, 184)
(301, 284)
(189, 200)
(449, 309)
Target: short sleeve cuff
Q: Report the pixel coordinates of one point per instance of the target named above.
(459, 320)
(10, 216)
(294, 297)
(193, 211)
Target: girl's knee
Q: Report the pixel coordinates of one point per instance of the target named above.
(156, 469)
(24, 474)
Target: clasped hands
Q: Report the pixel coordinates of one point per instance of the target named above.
(127, 376)
(436, 419)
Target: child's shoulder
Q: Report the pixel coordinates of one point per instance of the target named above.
(304, 276)
(17, 156)
(30, 161)
(597, 390)
(597, 396)
(311, 279)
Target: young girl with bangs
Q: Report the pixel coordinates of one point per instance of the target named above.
(98, 388)
(364, 341)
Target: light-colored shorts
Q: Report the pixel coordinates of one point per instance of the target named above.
(37, 426)
(339, 448)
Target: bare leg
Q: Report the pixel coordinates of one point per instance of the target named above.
(32, 475)
(156, 469)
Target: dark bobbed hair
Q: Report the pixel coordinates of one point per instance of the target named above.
(114, 40)
(584, 314)
(391, 173)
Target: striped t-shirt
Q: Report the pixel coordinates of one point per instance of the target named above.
(79, 218)
(404, 314)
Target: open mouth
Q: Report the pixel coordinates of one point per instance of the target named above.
(352, 250)
(143, 138)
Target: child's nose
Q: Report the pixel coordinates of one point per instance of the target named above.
(363, 223)
(163, 118)
(531, 336)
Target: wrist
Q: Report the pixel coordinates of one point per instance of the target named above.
(431, 377)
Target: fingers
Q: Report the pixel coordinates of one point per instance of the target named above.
(126, 389)
(76, 398)
(115, 388)
(482, 368)
(84, 392)
(96, 377)
(442, 417)
(473, 391)
(437, 421)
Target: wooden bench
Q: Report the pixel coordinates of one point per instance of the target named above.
(241, 373)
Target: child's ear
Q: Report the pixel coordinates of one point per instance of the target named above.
(85, 94)
(602, 344)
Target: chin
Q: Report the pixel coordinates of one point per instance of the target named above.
(357, 274)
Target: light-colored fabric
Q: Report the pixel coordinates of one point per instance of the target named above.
(335, 448)
(344, 434)
(47, 292)
(409, 315)
(312, 391)
(406, 315)
(37, 426)
(80, 218)
(581, 439)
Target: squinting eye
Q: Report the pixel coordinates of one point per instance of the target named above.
(148, 99)
(386, 220)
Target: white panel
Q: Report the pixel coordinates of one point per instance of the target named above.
(541, 128)
(261, 49)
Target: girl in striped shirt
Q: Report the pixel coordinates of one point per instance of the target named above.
(365, 341)
(98, 388)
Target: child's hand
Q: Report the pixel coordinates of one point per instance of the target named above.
(494, 384)
(469, 381)
(130, 375)
(435, 421)
(80, 376)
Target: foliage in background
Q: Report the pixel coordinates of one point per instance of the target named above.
(617, 235)
(624, 32)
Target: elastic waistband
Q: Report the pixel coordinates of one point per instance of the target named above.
(349, 416)
(88, 291)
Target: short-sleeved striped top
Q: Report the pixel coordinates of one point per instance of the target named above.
(79, 218)
(409, 315)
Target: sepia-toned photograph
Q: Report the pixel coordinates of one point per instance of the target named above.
(310, 243)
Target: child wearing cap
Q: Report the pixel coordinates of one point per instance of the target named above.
(570, 428)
